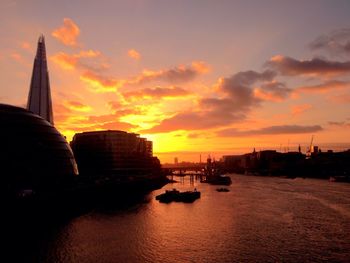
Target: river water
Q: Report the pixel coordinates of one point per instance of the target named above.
(261, 219)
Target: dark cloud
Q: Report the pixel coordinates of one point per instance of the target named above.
(291, 67)
(336, 42)
(272, 130)
(273, 91)
(179, 74)
(239, 91)
(324, 87)
(175, 75)
(336, 123)
(238, 99)
(239, 85)
(342, 124)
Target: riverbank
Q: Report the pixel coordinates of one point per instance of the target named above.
(81, 198)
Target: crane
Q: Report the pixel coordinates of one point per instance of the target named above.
(310, 150)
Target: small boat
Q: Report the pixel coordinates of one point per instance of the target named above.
(218, 180)
(222, 190)
(177, 196)
(339, 178)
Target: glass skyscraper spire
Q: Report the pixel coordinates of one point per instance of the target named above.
(39, 99)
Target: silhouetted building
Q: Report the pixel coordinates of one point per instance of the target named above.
(233, 163)
(112, 152)
(291, 164)
(149, 148)
(34, 156)
(39, 98)
(329, 163)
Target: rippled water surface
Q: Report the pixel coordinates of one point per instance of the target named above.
(259, 220)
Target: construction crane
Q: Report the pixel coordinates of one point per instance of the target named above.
(310, 150)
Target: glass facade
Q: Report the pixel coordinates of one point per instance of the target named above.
(113, 152)
(34, 156)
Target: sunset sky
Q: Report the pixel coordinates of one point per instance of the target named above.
(195, 77)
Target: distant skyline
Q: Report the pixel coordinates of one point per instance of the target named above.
(194, 77)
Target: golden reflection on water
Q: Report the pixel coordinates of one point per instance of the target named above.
(260, 219)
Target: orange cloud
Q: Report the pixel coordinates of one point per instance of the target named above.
(115, 105)
(157, 92)
(17, 57)
(70, 62)
(26, 46)
(65, 61)
(233, 104)
(324, 87)
(115, 125)
(61, 113)
(201, 67)
(134, 54)
(175, 75)
(272, 91)
(299, 109)
(69, 123)
(101, 83)
(124, 111)
(342, 98)
(263, 95)
(70, 117)
(113, 116)
(179, 74)
(77, 106)
(67, 33)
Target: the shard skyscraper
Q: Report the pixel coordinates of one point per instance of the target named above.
(39, 99)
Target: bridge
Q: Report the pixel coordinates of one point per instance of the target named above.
(185, 169)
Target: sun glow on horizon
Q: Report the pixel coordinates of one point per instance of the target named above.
(188, 92)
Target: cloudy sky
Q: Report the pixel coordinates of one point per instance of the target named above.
(210, 77)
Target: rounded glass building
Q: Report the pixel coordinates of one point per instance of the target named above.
(34, 156)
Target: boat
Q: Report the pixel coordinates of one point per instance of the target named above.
(218, 180)
(339, 178)
(222, 189)
(177, 196)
